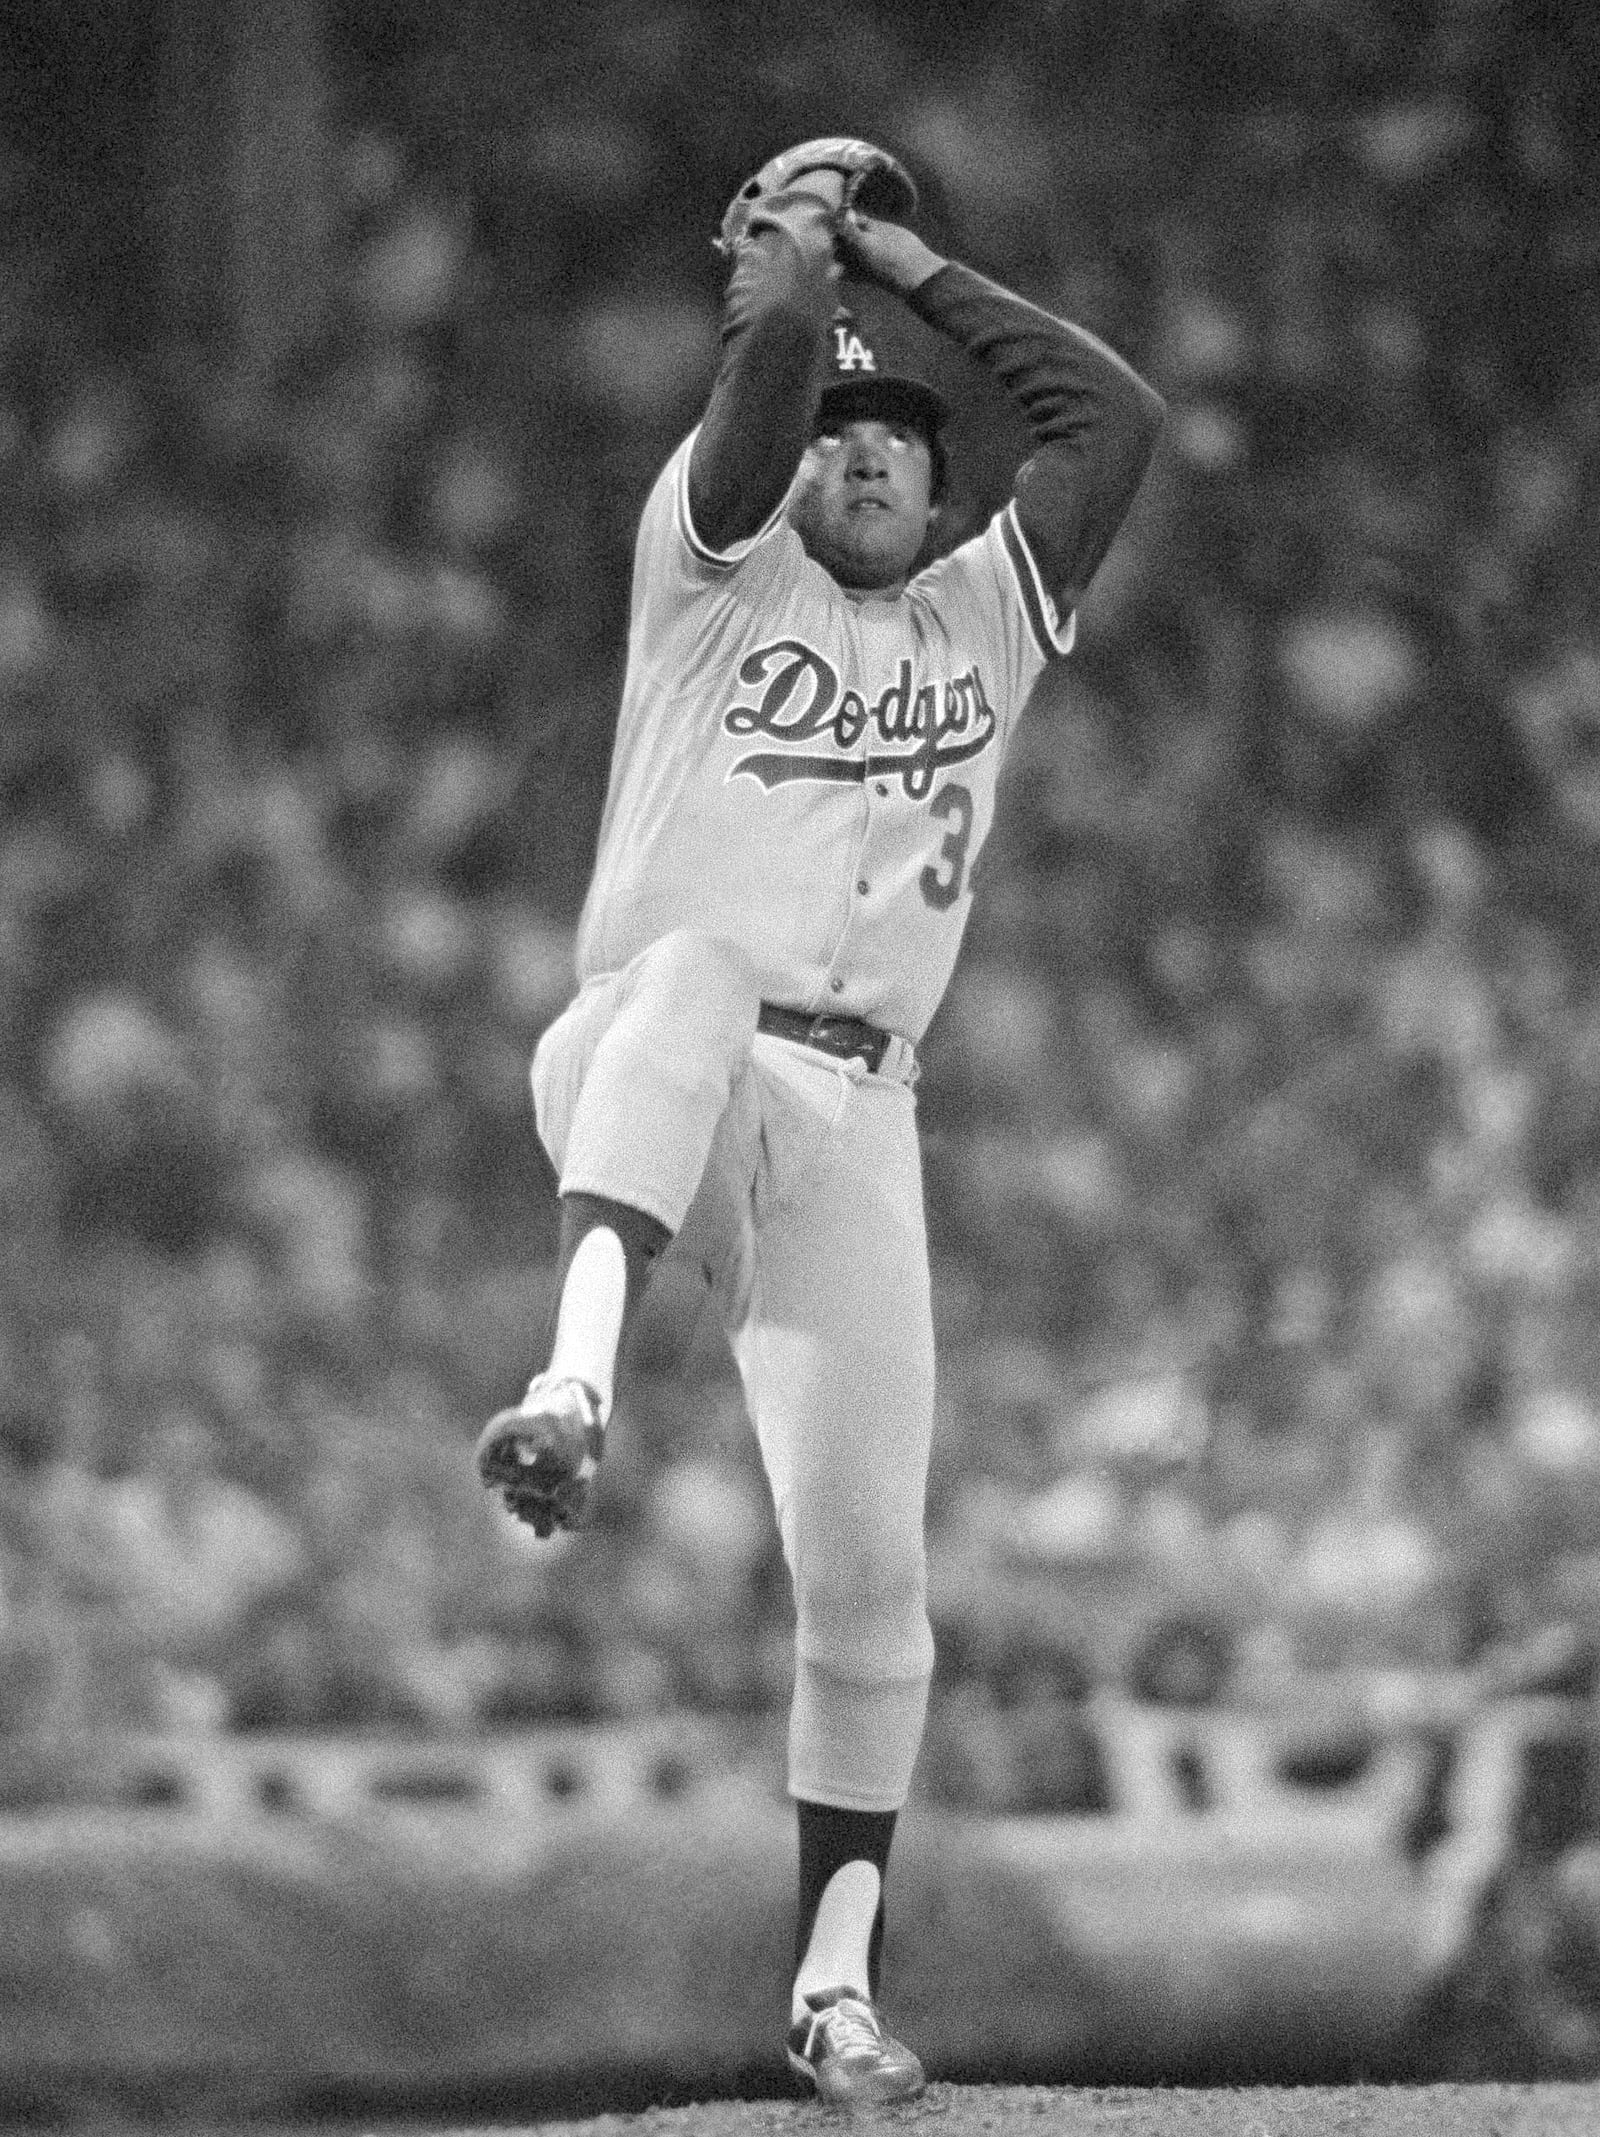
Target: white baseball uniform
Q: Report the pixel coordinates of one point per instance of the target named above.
(802, 780)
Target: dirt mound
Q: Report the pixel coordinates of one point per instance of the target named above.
(1123, 2111)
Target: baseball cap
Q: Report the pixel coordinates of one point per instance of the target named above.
(860, 381)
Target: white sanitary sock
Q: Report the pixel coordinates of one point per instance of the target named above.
(836, 1957)
(589, 1324)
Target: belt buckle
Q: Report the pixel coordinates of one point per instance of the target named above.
(836, 1036)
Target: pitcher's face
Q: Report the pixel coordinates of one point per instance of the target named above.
(862, 499)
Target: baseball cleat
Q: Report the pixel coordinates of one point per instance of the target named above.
(543, 1455)
(843, 2049)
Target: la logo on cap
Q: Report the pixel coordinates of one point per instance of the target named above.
(850, 352)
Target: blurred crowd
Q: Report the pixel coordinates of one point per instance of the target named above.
(1263, 1118)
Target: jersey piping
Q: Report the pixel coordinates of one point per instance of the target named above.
(736, 552)
(1052, 637)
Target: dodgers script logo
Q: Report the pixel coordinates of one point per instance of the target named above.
(921, 727)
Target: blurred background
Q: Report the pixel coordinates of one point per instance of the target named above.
(340, 342)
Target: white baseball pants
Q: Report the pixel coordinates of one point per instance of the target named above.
(796, 1179)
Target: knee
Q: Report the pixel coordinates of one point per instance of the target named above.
(706, 978)
(864, 1614)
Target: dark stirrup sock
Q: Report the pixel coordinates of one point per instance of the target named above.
(829, 1838)
(643, 1242)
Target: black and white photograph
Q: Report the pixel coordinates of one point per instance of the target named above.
(799, 1068)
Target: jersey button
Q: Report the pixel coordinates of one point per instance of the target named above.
(837, 985)
(882, 787)
(863, 886)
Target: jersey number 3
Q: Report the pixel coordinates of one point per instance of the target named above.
(941, 880)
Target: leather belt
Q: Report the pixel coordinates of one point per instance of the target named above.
(846, 1038)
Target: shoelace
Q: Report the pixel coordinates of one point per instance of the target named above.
(849, 2027)
(576, 1405)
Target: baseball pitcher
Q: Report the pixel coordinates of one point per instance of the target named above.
(804, 773)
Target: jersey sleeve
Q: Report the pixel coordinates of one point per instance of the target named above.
(1052, 633)
(992, 597)
(715, 560)
(677, 575)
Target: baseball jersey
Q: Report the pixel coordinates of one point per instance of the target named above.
(806, 771)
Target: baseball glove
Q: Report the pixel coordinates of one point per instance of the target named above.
(874, 181)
